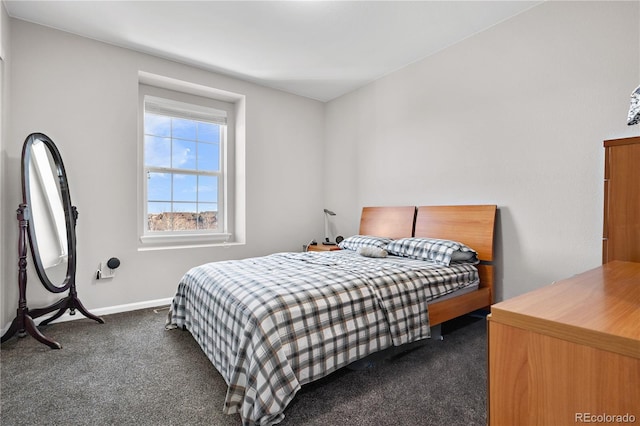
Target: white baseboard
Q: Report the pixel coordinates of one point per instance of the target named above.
(103, 311)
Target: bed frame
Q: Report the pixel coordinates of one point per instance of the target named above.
(472, 225)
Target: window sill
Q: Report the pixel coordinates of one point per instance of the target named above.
(168, 242)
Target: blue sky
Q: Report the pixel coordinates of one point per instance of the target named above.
(181, 144)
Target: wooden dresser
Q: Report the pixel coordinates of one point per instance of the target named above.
(621, 233)
(568, 353)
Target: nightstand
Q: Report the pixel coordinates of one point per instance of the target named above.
(322, 247)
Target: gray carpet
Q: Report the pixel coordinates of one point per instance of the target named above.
(131, 371)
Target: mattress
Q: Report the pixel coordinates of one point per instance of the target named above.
(271, 324)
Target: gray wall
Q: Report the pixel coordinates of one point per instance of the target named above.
(5, 244)
(514, 116)
(84, 95)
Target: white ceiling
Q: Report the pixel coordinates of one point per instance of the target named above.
(317, 49)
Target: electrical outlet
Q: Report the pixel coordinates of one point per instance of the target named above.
(105, 272)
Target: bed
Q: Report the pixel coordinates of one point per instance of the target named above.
(274, 323)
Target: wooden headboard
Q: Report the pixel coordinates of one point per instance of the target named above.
(471, 225)
(390, 222)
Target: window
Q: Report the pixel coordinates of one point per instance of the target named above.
(185, 174)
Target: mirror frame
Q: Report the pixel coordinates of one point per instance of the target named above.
(70, 213)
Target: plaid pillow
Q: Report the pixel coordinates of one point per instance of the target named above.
(443, 252)
(356, 241)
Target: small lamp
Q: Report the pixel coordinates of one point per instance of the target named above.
(327, 213)
(634, 108)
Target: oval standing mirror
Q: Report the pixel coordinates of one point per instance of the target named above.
(51, 221)
(47, 217)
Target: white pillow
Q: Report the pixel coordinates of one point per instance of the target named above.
(371, 251)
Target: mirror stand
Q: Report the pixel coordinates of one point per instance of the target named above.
(23, 323)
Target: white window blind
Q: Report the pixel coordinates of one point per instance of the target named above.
(177, 109)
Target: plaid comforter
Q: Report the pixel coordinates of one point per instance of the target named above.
(271, 324)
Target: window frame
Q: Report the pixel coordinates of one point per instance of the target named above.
(188, 238)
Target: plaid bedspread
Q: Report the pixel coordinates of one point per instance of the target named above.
(271, 324)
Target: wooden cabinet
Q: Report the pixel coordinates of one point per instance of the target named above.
(569, 352)
(621, 234)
